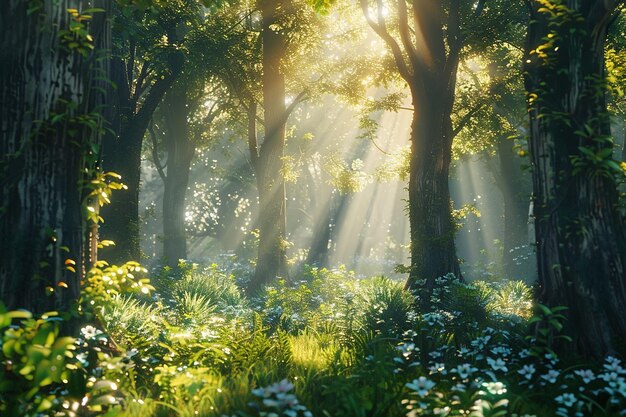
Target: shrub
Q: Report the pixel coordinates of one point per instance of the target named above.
(41, 371)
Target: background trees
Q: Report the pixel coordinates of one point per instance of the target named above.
(430, 72)
(147, 58)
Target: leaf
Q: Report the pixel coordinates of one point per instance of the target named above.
(544, 309)
(556, 324)
(19, 314)
(103, 400)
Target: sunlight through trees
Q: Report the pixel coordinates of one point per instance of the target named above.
(312, 208)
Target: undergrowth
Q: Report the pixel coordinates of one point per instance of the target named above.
(325, 345)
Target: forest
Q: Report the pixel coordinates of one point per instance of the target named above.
(312, 208)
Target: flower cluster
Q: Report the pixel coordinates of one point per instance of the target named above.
(276, 401)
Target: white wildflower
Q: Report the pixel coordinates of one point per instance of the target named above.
(612, 378)
(586, 375)
(551, 376)
(438, 368)
(464, 370)
(495, 388)
(613, 365)
(421, 386)
(497, 364)
(566, 399)
(527, 371)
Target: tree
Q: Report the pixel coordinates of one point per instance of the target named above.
(51, 61)
(188, 113)
(275, 42)
(147, 60)
(272, 259)
(180, 151)
(581, 239)
(432, 35)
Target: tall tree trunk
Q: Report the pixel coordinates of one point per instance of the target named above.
(318, 252)
(44, 92)
(581, 240)
(272, 257)
(429, 64)
(433, 252)
(322, 232)
(180, 152)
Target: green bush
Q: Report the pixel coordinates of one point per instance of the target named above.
(42, 374)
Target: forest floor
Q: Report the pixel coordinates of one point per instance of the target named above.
(188, 343)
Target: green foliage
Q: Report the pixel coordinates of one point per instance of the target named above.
(313, 302)
(548, 326)
(322, 6)
(508, 298)
(395, 166)
(598, 161)
(34, 358)
(210, 282)
(43, 373)
(384, 308)
(461, 214)
(98, 192)
(104, 282)
(346, 177)
(76, 37)
(340, 346)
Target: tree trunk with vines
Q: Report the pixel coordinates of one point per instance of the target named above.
(581, 239)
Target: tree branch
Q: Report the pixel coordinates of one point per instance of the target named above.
(299, 99)
(155, 151)
(405, 32)
(259, 120)
(381, 31)
(467, 118)
(118, 76)
(156, 93)
(139, 85)
(130, 65)
(455, 44)
(429, 24)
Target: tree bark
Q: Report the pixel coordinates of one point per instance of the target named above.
(581, 240)
(433, 251)
(272, 255)
(428, 63)
(45, 90)
(122, 155)
(180, 152)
